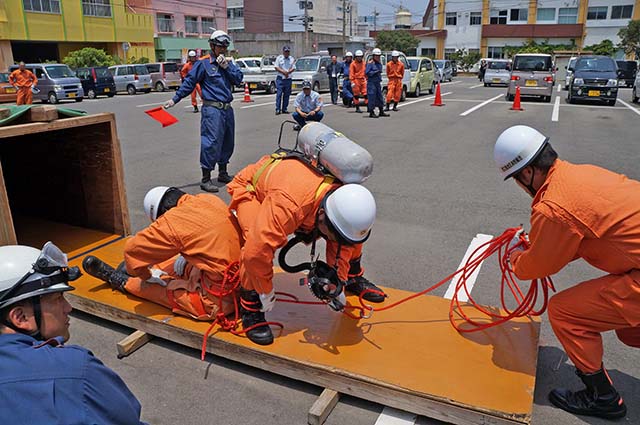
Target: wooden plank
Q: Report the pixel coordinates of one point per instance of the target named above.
(32, 128)
(323, 406)
(43, 113)
(131, 343)
(123, 223)
(7, 231)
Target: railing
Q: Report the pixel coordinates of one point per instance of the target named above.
(191, 26)
(165, 25)
(99, 8)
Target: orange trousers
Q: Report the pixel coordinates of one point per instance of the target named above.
(183, 295)
(194, 101)
(394, 90)
(25, 96)
(359, 88)
(579, 315)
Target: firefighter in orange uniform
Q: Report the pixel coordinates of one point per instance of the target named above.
(23, 80)
(358, 80)
(579, 211)
(395, 72)
(182, 258)
(186, 68)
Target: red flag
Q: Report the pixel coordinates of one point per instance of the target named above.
(162, 116)
(428, 15)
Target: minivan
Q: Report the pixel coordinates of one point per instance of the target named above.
(56, 81)
(534, 74)
(96, 81)
(311, 68)
(164, 75)
(594, 78)
(131, 78)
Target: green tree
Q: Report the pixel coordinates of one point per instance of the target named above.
(630, 38)
(396, 40)
(532, 46)
(464, 59)
(605, 48)
(88, 56)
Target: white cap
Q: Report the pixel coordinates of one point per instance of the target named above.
(152, 201)
(516, 147)
(351, 209)
(359, 53)
(192, 53)
(395, 54)
(349, 55)
(377, 51)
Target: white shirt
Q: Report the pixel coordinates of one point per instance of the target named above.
(286, 64)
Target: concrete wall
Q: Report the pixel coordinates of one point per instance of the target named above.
(463, 35)
(263, 16)
(214, 9)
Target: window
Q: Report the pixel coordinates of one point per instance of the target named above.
(191, 25)
(425, 65)
(236, 12)
(568, 15)
(47, 6)
(207, 24)
(498, 17)
(621, 12)
(546, 14)
(429, 52)
(597, 13)
(153, 67)
(100, 8)
(448, 53)
(519, 15)
(451, 18)
(165, 23)
(494, 52)
(475, 18)
(309, 5)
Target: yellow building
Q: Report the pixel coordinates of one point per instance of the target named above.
(39, 30)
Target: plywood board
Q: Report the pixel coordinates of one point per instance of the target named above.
(409, 358)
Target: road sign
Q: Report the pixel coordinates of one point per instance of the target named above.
(125, 46)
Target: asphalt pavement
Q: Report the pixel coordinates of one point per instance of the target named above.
(436, 187)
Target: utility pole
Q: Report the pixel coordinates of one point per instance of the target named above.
(344, 27)
(306, 27)
(375, 19)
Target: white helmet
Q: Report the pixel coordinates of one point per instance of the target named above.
(359, 53)
(220, 38)
(395, 54)
(351, 210)
(376, 51)
(516, 147)
(192, 53)
(152, 201)
(27, 272)
(349, 55)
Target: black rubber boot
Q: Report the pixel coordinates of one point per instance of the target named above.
(386, 108)
(357, 285)
(395, 106)
(382, 114)
(101, 270)
(372, 115)
(206, 184)
(599, 398)
(223, 176)
(358, 108)
(251, 315)
(195, 109)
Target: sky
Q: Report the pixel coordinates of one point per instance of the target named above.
(387, 8)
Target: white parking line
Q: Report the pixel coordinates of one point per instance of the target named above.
(629, 106)
(556, 110)
(451, 83)
(149, 104)
(477, 85)
(471, 280)
(391, 416)
(423, 99)
(559, 88)
(257, 105)
(486, 102)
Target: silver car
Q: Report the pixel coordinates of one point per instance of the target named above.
(131, 78)
(311, 68)
(498, 72)
(164, 75)
(445, 69)
(533, 73)
(567, 77)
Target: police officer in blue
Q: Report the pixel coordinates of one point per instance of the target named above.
(216, 77)
(43, 381)
(373, 71)
(347, 92)
(285, 65)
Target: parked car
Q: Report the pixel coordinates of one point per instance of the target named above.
(454, 68)
(250, 65)
(406, 79)
(311, 68)
(8, 93)
(628, 71)
(131, 78)
(569, 73)
(96, 81)
(498, 72)
(422, 75)
(635, 93)
(533, 73)
(164, 75)
(56, 82)
(265, 79)
(594, 78)
(445, 69)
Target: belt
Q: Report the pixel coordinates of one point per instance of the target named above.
(217, 105)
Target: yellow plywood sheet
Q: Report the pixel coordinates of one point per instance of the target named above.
(412, 348)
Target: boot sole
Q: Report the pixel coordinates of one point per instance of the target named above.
(605, 415)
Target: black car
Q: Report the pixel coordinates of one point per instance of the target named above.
(628, 70)
(594, 78)
(96, 81)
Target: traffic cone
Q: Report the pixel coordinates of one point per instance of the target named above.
(516, 101)
(438, 101)
(247, 95)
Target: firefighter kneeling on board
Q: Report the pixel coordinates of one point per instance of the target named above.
(579, 211)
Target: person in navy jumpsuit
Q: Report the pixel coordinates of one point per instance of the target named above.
(373, 71)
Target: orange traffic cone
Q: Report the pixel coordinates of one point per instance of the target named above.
(438, 101)
(247, 95)
(516, 101)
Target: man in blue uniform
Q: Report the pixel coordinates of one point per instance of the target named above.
(347, 92)
(216, 77)
(308, 106)
(373, 71)
(43, 381)
(285, 65)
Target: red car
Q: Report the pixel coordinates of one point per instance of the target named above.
(7, 92)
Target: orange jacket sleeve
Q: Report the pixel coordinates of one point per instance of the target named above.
(12, 78)
(150, 246)
(554, 244)
(185, 69)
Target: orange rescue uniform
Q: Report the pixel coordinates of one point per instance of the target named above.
(186, 68)
(395, 72)
(23, 80)
(358, 80)
(285, 199)
(583, 211)
(200, 228)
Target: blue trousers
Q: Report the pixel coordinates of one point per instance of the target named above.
(347, 92)
(283, 91)
(302, 121)
(333, 88)
(217, 136)
(374, 93)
